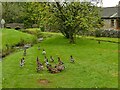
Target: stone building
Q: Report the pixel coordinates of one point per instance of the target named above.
(111, 17)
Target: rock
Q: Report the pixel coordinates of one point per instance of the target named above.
(40, 39)
(27, 46)
(17, 47)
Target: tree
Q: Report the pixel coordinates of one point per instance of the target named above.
(28, 13)
(33, 13)
(75, 16)
(68, 17)
(12, 12)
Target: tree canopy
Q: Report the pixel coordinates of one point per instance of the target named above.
(73, 17)
(68, 17)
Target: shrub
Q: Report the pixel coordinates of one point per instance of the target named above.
(97, 33)
(102, 33)
(42, 29)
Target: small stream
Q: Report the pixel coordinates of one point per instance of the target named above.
(19, 48)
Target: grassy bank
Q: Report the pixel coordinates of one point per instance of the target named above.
(96, 65)
(11, 38)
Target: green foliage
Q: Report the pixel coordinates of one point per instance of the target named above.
(28, 13)
(34, 31)
(33, 13)
(93, 68)
(75, 16)
(69, 17)
(13, 12)
(97, 33)
(42, 28)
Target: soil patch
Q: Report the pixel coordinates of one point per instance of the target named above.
(43, 81)
(117, 51)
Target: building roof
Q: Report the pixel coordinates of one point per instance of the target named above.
(110, 12)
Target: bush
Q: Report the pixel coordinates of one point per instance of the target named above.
(42, 29)
(102, 33)
(98, 33)
(33, 32)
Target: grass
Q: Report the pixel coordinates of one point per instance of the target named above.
(33, 29)
(0, 63)
(103, 38)
(0, 75)
(96, 65)
(13, 37)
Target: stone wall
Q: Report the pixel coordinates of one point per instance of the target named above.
(14, 25)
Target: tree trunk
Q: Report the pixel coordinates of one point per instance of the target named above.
(67, 35)
(71, 37)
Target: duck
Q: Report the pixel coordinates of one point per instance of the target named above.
(22, 62)
(71, 59)
(51, 59)
(60, 62)
(44, 52)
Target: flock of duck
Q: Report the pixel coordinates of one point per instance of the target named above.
(40, 66)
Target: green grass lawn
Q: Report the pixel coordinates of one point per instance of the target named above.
(0, 74)
(13, 37)
(103, 38)
(0, 62)
(96, 65)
